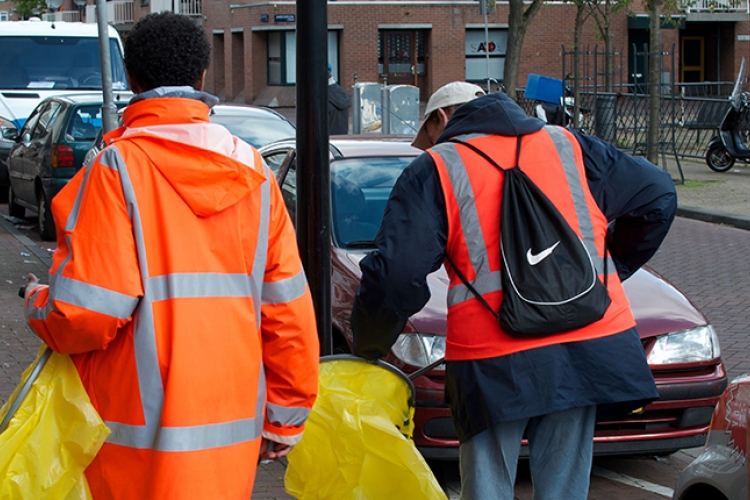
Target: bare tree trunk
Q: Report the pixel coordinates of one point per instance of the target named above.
(654, 81)
(518, 21)
(577, 35)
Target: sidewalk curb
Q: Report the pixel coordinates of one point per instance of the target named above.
(45, 257)
(714, 216)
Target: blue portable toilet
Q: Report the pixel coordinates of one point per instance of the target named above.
(543, 88)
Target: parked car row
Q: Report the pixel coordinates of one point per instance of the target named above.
(65, 131)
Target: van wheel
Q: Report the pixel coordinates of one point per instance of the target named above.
(46, 223)
(14, 209)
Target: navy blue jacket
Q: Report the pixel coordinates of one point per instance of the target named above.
(637, 198)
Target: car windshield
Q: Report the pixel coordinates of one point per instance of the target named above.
(46, 62)
(256, 130)
(360, 188)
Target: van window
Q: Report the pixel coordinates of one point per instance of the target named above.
(46, 62)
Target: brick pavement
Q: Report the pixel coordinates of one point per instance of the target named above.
(18, 344)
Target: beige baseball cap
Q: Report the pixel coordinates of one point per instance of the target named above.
(448, 95)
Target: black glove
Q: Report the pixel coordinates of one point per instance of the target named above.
(374, 331)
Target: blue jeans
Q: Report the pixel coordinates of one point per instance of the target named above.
(560, 455)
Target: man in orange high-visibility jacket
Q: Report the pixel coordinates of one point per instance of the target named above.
(178, 290)
(501, 388)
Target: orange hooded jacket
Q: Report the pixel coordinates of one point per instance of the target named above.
(178, 290)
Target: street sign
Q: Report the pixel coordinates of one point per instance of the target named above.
(283, 18)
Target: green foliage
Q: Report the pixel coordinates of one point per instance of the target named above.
(25, 8)
(696, 184)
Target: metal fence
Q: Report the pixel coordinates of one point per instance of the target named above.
(687, 123)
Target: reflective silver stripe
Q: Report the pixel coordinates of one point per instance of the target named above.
(92, 297)
(36, 312)
(285, 415)
(194, 285)
(70, 224)
(261, 250)
(576, 187)
(199, 437)
(472, 230)
(283, 291)
(484, 284)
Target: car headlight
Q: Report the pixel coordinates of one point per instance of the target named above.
(419, 349)
(695, 344)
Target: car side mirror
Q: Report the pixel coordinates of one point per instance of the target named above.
(10, 133)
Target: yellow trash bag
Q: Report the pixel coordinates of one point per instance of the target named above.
(357, 442)
(53, 433)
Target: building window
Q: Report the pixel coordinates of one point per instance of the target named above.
(282, 56)
(4, 15)
(478, 46)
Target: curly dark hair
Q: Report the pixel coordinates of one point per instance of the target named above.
(166, 49)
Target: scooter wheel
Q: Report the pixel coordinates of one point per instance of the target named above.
(718, 158)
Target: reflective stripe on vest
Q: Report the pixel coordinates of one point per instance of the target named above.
(487, 281)
(152, 435)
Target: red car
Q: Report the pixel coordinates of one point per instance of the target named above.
(682, 348)
(721, 471)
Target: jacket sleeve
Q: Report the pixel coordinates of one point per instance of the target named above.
(288, 329)
(338, 97)
(410, 245)
(94, 280)
(636, 196)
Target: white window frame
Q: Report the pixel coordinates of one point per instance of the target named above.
(476, 56)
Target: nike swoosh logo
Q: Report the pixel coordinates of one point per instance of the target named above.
(535, 259)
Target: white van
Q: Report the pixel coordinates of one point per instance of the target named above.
(39, 59)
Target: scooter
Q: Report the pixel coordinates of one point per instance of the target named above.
(731, 142)
(560, 113)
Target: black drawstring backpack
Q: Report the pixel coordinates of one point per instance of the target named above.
(549, 280)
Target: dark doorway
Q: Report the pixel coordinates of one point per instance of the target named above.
(693, 62)
(401, 57)
(638, 60)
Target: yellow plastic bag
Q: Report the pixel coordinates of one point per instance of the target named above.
(357, 441)
(52, 437)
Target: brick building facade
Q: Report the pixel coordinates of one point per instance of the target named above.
(254, 43)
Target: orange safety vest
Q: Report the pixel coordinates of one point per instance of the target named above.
(178, 289)
(472, 188)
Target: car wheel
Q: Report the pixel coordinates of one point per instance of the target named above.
(46, 223)
(14, 209)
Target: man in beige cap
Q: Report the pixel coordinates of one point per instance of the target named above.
(439, 109)
(446, 207)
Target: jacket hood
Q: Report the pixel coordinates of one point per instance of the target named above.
(209, 168)
(490, 114)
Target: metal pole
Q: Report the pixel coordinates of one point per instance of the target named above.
(385, 110)
(487, 47)
(313, 169)
(109, 110)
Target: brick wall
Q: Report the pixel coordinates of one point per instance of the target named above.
(445, 27)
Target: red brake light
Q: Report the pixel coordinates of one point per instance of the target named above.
(62, 156)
